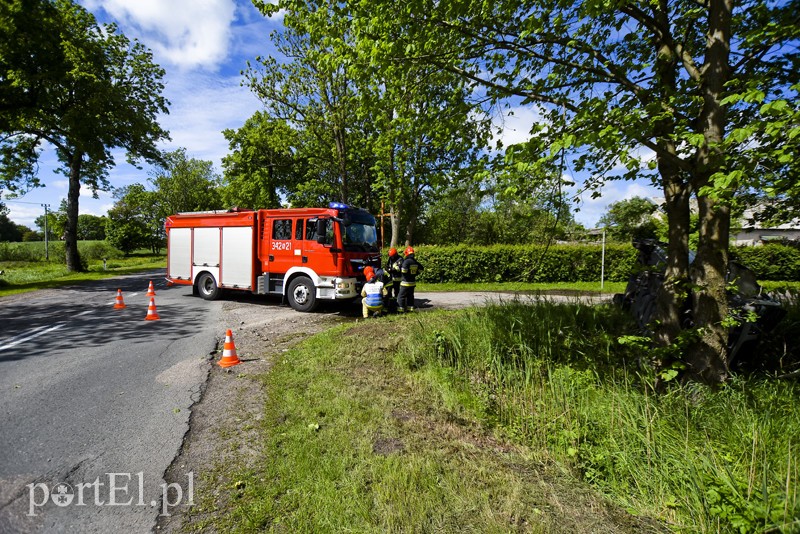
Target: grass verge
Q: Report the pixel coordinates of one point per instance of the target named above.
(353, 439)
(25, 276)
(555, 378)
(506, 418)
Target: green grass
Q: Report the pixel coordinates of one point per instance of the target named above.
(555, 378)
(25, 268)
(352, 441)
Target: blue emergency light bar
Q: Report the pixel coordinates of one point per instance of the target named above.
(338, 206)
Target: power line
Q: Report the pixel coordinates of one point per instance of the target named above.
(5, 201)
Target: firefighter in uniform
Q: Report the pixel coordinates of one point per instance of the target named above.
(409, 271)
(393, 270)
(372, 293)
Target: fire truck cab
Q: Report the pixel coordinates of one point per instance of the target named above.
(303, 254)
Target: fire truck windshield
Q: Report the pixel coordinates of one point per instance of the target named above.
(360, 236)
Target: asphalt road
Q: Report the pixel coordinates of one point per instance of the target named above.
(94, 402)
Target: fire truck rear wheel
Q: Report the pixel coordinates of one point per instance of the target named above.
(207, 287)
(302, 294)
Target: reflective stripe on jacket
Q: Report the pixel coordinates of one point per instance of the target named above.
(373, 294)
(411, 267)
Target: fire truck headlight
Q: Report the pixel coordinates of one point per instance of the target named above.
(343, 285)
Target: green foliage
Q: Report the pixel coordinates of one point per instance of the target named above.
(35, 251)
(83, 88)
(8, 230)
(360, 134)
(261, 163)
(91, 227)
(461, 216)
(126, 234)
(184, 184)
(630, 218)
(554, 377)
(524, 263)
(772, 261)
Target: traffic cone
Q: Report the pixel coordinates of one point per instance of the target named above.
(151, 292)
(152, 314)
(229, 357)
(119, 303)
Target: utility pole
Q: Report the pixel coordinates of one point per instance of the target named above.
(383, 216)
(603, 261)
(46, 248)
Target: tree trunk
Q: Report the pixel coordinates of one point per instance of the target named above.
(341, 156)
(394, 220)
(707, 357)
(71, 228)
(672, 295)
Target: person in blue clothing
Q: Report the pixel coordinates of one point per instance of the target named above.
(372, 294)
(409, 271)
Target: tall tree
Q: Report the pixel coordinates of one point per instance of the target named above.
(378, 135)
(697, 84)
(262, 163)
(185, 184)
(316, 97)
(83, 88)
(629, 218)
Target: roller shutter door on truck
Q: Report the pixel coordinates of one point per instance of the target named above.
(180, 254)
(237, 257)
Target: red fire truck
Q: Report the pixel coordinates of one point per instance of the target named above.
(304, 254)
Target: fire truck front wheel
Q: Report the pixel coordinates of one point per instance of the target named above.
(302, 294)
(207, 287)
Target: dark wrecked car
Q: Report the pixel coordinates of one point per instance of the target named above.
(745, 299)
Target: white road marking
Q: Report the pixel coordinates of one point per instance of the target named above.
(31, 336)
(84, 313)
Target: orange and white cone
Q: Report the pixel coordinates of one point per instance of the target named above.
(229, 357)
(151, 292)
(152, 313)
(119, 303)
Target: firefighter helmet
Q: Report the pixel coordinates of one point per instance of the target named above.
(392, 252)
(409, 250)
(369, 273)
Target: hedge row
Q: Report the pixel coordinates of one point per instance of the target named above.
(772, 261)
(524, 263)
(576, 263)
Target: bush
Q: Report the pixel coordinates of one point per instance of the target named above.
(35, 251)
(524, 263)
(97, 250)
(773, 261)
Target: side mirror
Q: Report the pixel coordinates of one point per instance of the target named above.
(322, 230)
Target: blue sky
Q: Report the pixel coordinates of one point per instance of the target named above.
(203, 45)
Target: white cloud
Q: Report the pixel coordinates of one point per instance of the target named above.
(591, 209)
(515, 124)
(184, 33)
(203, 106)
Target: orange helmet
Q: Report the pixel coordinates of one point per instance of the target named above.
(369, 272)
(409, 250)
(392, 251)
